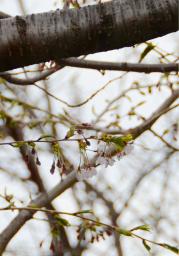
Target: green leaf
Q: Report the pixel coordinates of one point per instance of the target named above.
(144, 227)
(127, 138)
(119, 141)
(85, 211)
(31, 144)
(141, 92)
(140, 104)
(165, 132)
(94, 110)
(147, 247)
(2, 81)
(124, 232)
(2, 115)
(171, 248)
(55, 232)
(148, 48)
(33, 124)
(75, 4)
(131, 113)
(18, 144)
(56, 148)
(70, 133)
(128, 97)
(62, 222)
(82, 145)
(150, 89)
(33, 206)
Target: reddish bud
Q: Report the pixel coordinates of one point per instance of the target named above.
(59, 165)
(87, 142)
(38, 161)
(52, 247)
(52, 169)
(33, 151)
(79, 131)
(108, 232)
(27, 158)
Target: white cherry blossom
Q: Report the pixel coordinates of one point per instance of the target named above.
(128, 148)
(106, 161)
(85, 173)
(101, 147)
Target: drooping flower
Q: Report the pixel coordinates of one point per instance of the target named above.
(101, 147)
(128, 148)
(104, 160)
(81, 175)
(126, 151)
(101, 160)
(110, 161)
(85, 173)
(92, 172)
(120, 155)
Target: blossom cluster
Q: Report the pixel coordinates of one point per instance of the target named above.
(103, 158)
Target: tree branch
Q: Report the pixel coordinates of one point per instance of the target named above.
(98, 65)
(45, 198)
(137, 131)
(27, 81)
(36, 38)
(4, 15)
(123, 66)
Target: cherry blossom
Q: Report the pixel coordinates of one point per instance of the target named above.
(86, 173)
(120, 155)
(106, 161)
(103, 158)
(128, 148)
(101, 147)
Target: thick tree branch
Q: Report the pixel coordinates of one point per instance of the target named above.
(4, 15)
(45, 198)
(36, 38)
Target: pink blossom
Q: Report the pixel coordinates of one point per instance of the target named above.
(120, 155)
(106, 161)
(85, 173)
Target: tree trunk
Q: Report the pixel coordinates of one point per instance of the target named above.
(26, 40)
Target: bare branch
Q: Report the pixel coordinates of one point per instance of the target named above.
(27, 81)
(98, 65)
(163, 140)
(137, 131)
(123, 66)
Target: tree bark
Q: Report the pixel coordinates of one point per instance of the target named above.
(26, 40)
